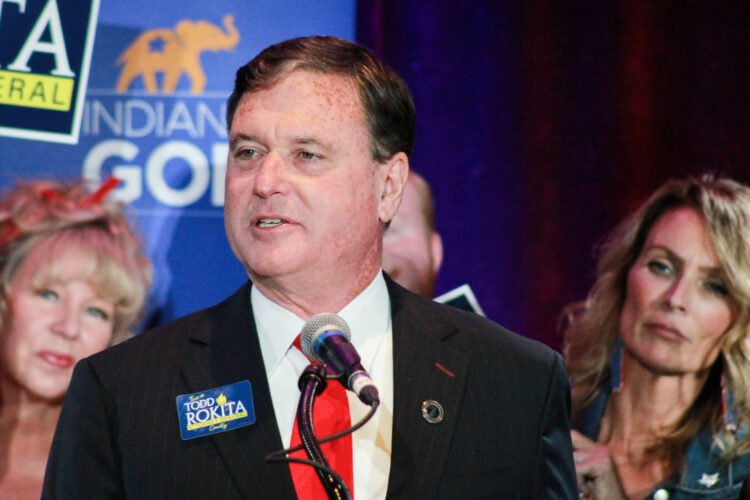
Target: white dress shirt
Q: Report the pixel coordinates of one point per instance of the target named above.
(369, 319)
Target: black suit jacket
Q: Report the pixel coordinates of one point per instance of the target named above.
(505, 433)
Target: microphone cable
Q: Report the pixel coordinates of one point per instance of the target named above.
(312, 382)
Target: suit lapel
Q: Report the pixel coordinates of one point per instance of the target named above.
(425, 370)
(224, 349)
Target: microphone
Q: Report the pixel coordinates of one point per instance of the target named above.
(325, 338)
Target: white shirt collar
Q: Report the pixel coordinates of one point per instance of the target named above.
(367, 315)
(277, 328)
(369, 318)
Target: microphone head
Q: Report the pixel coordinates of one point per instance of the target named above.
(317, 326)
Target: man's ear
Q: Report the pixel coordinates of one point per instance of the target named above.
(396, 171)
(436, 245)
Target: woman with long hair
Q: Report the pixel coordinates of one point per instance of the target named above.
(658, 354)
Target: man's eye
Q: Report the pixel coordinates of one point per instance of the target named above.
(306, 155)
(247, 153)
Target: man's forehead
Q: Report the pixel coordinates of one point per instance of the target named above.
(327, 97)
(337, 90)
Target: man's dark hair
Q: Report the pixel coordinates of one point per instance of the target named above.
(387, 102)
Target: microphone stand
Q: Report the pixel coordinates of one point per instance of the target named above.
(311, 383)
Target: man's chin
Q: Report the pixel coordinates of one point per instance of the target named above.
(276, 268)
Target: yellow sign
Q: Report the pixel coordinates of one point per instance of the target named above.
(32, 90)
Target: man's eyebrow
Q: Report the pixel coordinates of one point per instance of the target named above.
(311, 141)
(240, 137)
(302, 140)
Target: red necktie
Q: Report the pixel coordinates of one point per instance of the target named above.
(330, 415)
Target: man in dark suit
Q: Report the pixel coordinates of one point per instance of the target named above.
(320, 133)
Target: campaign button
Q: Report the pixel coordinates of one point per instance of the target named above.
(215, 410)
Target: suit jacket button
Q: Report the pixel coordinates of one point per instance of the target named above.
(432, 411)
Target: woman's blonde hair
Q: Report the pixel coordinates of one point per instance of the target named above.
(42, 222)
(591, 327)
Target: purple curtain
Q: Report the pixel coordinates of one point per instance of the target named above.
(542, 124)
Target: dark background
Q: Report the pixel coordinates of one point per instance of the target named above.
(543, 124)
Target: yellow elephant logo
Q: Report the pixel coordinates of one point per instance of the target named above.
(174, 52)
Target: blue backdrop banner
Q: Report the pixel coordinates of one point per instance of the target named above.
(153, 116)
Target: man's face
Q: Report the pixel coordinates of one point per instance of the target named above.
(304, 199)
(412, 252)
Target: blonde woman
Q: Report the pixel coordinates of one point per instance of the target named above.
(658, 354)
(72, 281)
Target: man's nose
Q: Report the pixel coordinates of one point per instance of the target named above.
(270, 178)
